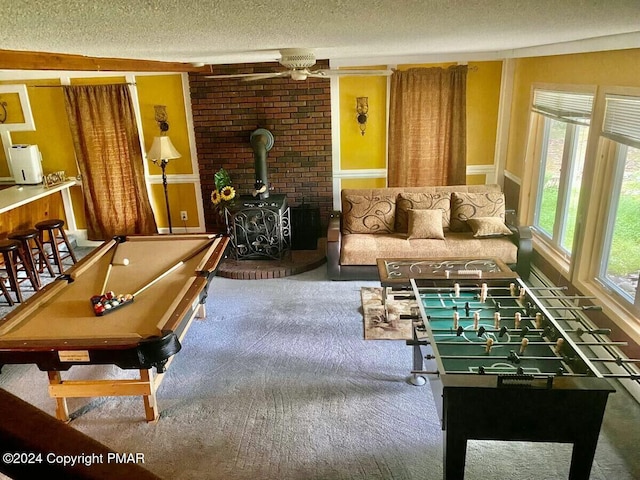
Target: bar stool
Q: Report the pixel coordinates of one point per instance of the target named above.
(33, 249)
(5, 291)
(14, 264)
(55, 236)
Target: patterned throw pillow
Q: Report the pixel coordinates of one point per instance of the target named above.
(425, 224)
(368, 214)
(422, 201)
(469, 205)
(488, 227)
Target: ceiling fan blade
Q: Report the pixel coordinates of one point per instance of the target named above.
(352, 73)
(248, 77)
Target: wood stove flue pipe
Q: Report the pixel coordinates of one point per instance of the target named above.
(261, 142)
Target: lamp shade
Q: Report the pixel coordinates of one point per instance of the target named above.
(162, 149)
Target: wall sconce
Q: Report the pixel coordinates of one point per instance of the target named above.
(362, 109)
(3, 111)
(161, 118)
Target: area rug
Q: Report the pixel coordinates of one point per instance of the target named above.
(387, 317)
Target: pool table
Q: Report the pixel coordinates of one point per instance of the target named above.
(505, 368)
(58, 327)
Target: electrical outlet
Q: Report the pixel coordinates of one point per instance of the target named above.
(183, 216)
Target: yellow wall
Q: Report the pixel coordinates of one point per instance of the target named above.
(476, 179)
(369, 151)
(364, 183)
(13, 107)
(53, 137)
(52, 134)
(483, 98)
(359, 151)
(613, 68)
(165, 90)
(181, 198)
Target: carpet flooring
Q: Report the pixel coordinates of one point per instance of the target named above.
(278, 383)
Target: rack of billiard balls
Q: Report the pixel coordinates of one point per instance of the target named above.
(109, 302)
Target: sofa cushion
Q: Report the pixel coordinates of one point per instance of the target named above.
(421, 201)
(368, 214)
(362, 249)
(469, 205)
(483, 227)
(425, 224)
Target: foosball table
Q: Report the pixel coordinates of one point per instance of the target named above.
(507, 361)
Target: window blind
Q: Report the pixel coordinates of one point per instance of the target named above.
(567, 106)
(622, 120)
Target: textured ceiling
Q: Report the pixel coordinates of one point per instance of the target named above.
(234, 31)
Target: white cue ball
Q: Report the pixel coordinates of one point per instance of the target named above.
(125, 261)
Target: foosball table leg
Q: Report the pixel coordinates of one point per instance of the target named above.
(418, 364)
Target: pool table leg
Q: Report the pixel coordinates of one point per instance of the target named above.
(150, 401)
(62, 410)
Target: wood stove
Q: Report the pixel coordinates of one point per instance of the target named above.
(259, 228)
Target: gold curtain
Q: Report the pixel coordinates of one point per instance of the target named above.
(107, 147)
(427, 127)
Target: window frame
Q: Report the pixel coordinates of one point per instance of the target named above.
(552, 251)
(617, 178)
(595, 201)
(571, 138)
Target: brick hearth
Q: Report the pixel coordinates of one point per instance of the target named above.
(294, 262)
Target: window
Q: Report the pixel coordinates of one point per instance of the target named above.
(620, 258)
(566, 118)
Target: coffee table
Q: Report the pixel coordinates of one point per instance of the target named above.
(399, 271)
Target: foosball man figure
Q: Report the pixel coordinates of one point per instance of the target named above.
(521, 297)
(517, 317)
(456, 290)
(523, 345)
(488, 345)
(559, 344)
(484, 290)
(456, 319)
(496, 320)
(538, 320)
(476, 320)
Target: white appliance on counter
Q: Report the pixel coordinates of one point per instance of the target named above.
(26, 164)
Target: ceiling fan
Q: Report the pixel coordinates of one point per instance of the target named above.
(298, 62)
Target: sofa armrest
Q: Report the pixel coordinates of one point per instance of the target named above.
(333, 232)
(524, 240)
(334, 242)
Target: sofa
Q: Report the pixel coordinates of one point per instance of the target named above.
(434, 222)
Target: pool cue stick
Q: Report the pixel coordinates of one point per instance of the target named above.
(90, 260)
(174, 267)
(108, 274)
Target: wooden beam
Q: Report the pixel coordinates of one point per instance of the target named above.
(23, 60)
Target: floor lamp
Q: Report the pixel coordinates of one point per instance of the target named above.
(162, 150)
